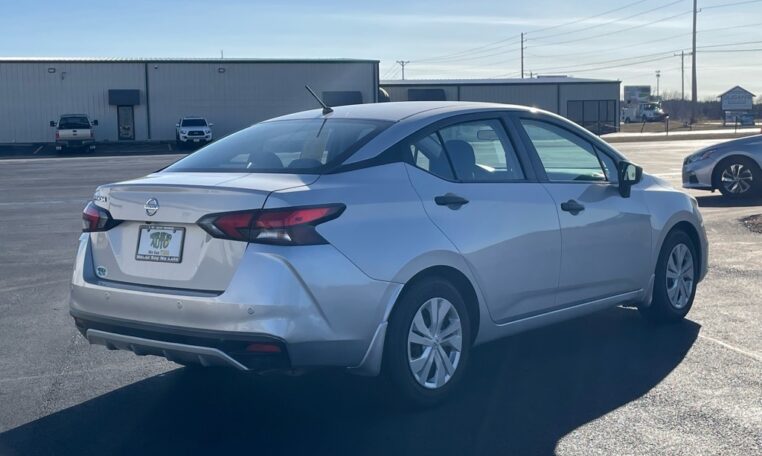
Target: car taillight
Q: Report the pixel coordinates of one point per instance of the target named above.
(287, 226)
(95, 218)
(58, 135)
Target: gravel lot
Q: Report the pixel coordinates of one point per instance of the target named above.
(608, 384)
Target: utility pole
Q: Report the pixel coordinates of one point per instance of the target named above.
(522, 55)
(658, 76)
(402, 64)
(694, 89)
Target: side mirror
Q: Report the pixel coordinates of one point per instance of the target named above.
(95, 122)
(629, 175)
(52, 123)
(177, 125)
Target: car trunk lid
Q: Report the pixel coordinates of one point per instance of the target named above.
(172, 203)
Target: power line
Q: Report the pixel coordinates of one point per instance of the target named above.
(603, 24)
(583, 66)
(491, 46)
(734, 50)
(627, 29)
(522, 46)
(641, 43)
(577, 21)
(725, 5)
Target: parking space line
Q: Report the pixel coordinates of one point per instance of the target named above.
(667, 174)
(32, 285)
(735, 349)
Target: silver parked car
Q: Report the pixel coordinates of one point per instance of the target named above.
(378, 238)
(734, 167)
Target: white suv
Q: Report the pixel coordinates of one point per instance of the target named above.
(193, 130)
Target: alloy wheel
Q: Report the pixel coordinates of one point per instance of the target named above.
(434, 343)
(737, 178)
(680, 276)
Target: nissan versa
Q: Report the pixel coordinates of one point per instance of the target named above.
(381, 238)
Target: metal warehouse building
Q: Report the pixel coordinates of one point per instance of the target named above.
(142, 99)
(592, 103)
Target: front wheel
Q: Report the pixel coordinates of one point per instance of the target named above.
(737, 177)
(428, 342)
(675, 280)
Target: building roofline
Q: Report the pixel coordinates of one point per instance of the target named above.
(734, 88)
(479, 82)
(174, 60)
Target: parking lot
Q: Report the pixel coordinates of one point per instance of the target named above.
(608, 384)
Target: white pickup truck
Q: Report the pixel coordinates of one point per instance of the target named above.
(74, 130)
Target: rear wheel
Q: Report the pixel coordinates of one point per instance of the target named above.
(428, 342)
(737, 177)
(675, 280)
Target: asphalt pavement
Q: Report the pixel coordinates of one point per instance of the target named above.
(607, 384)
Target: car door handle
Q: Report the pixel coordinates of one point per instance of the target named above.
(450, 200)
(572, 207)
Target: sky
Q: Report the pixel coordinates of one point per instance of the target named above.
(625, 40)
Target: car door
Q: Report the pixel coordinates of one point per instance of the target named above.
(606, 238)
(476, 188)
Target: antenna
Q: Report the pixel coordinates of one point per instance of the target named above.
(326, 109)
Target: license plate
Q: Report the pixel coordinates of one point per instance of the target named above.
(195, 140)
(160, 243)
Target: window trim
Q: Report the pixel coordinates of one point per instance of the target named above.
(537, 162)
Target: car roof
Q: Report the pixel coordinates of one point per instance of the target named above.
(73, 115)
(192, 117)
(397, 111)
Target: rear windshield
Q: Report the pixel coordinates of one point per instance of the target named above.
(287, 146)
(68, 123)
(193, 123)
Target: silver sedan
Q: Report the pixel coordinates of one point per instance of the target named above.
(382, 239)
(733, 167)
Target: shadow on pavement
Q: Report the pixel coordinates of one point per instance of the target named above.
(521, 396)
(717, 200)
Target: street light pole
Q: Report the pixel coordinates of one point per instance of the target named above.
(658, 76)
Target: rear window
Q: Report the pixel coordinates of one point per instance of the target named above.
(69, 123)
(287, 146)
(193, 123)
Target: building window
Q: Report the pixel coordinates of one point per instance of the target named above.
(598, 116)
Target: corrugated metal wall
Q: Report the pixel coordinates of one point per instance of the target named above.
(549, 96)
(589, 91)
(31, 96)
(541, 96)
(245, 93)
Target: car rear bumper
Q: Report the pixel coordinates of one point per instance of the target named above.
(320, 308)
(75, 142)
(183, 345)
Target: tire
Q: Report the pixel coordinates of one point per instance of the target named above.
(411, 318)
(626, 120)
(738, 177)
(671, 301)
